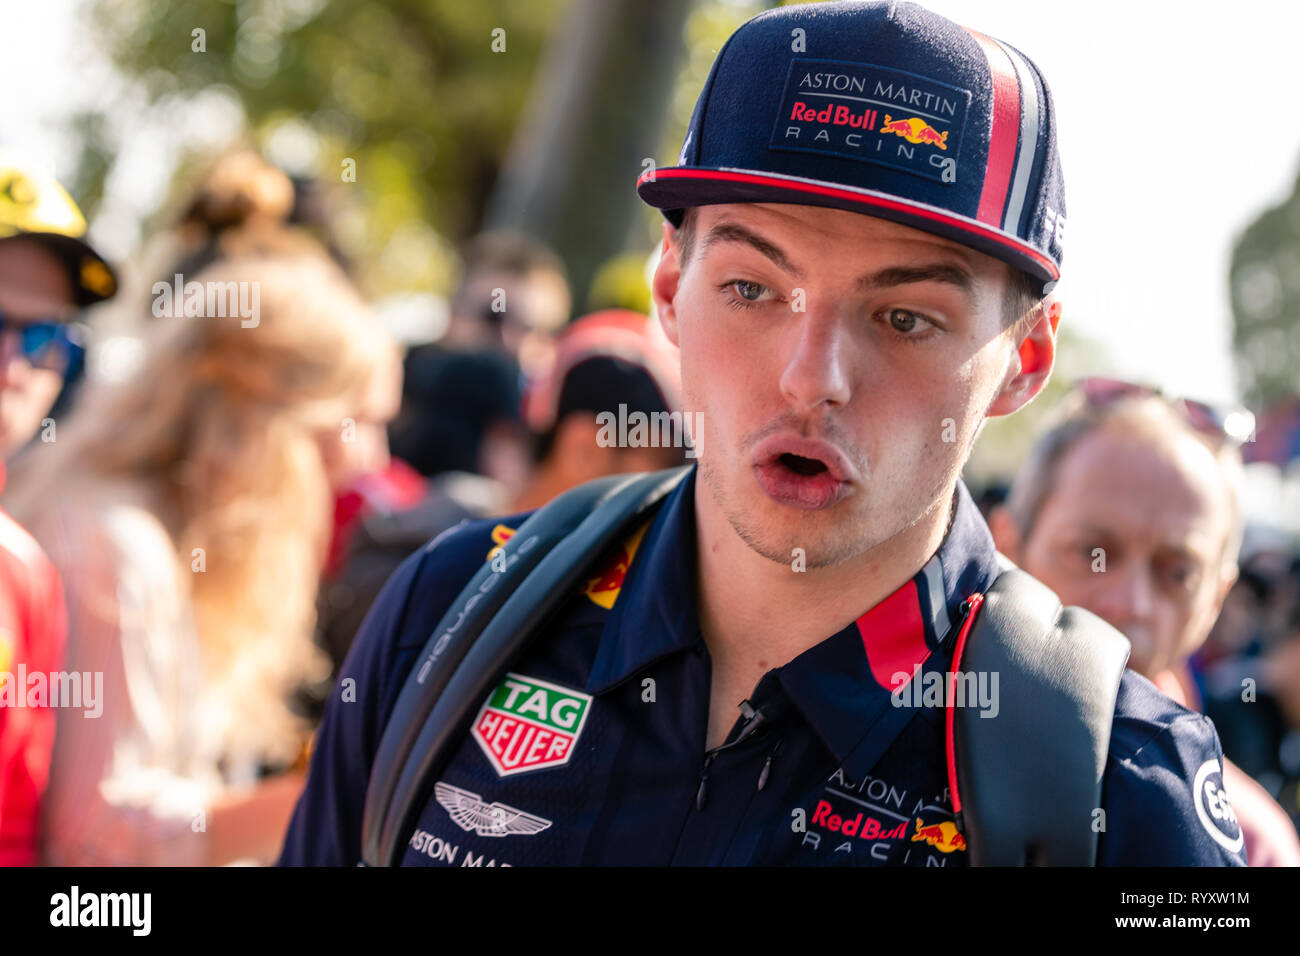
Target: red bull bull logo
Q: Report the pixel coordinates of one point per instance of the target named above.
(915, 130)
(500, 535)
(944, 836)
(604, 586)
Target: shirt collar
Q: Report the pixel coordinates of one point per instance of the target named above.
(841, 685)
(655, 614)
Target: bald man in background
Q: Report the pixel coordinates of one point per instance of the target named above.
(1128, 507)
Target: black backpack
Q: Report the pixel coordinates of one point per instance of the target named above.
(1028, 780)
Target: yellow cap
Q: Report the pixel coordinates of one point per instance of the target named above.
(33, 203)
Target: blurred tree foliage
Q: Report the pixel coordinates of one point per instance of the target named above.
(1265, 290)
(1005, 442)
(412, 90)
(596, 112)
(706, 29)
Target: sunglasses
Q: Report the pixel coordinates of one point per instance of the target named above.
(1229, 423)
(47, 343)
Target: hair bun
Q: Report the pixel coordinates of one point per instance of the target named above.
(240, 189)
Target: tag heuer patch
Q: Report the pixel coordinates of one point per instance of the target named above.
(530, 724)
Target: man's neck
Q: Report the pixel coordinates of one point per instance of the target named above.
(756, 614)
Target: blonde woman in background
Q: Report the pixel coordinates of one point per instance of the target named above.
(188, 512)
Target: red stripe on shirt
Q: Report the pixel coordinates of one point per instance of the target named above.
(893, 635)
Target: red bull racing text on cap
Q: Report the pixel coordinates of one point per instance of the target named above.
(885, 109)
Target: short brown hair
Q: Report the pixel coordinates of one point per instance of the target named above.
(1075, 419)
(1023, 292)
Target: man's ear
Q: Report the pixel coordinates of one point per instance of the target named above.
(1006, 534)
(1035, 359)
(668, 275)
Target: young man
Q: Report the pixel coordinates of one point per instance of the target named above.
(46, 271)
(1128, 507)
(875, 216)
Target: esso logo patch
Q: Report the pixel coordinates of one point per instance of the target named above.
(1213, 808)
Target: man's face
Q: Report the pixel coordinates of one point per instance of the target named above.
(843, 366)
(1134, 530)
(33, 287)
(505, 308)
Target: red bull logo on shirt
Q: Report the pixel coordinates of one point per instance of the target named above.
(604, 586)
(529, 724)
(861, 826)
(500, 535)
(942, 836)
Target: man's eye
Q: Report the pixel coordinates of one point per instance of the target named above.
(1182, 576)
(1085, 552)
(744, 294)
(901, 320)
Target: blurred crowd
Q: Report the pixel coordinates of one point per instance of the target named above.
(204, 532)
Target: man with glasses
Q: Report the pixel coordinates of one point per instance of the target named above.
(47, 271)
(1128, 507)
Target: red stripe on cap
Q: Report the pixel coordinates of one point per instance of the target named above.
(865, 199)
(1005, 132)
(893, 635)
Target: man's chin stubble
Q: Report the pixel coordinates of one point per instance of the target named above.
(832, 548)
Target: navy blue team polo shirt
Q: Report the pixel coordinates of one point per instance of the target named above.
(592, 749)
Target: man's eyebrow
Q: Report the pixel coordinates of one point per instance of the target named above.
(930, 272)
(734, 232)
(1088, 529)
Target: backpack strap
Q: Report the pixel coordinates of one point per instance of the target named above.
(1029, 776)
(489, 622)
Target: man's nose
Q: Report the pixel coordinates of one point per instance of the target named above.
(817, 371)
(12, 360)
(1130, 598)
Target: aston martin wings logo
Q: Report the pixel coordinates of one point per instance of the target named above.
(486, 819)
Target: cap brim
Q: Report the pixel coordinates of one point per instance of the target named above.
(76, 254)
(674, 188)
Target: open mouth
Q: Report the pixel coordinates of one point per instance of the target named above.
(814, 477)
(801, 465)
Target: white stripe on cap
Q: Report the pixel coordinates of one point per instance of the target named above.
(1028, 144)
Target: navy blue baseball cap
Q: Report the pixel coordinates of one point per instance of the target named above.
(885, 109)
